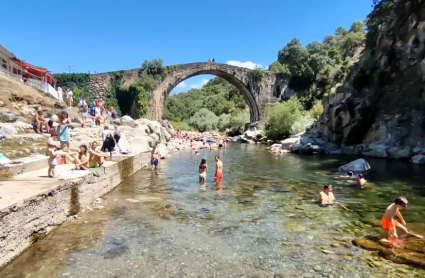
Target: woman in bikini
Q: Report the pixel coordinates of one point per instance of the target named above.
(82, 162)
(203, 170)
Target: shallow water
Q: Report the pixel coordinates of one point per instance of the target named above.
(265, 222)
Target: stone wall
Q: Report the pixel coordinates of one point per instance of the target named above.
(25, 223)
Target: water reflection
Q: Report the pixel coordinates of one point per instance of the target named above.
(264, 222)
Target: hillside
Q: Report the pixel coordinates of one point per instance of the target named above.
(16, 95)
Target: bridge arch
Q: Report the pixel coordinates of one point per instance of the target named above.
(241, 78)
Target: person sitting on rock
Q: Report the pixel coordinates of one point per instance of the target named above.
(82, 162)
(326, 196)
(38, 122)
(360, 181)
(96, 158)
(389, 225)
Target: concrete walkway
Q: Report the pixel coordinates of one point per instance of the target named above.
(27, 185)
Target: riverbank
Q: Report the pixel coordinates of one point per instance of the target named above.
(33, 204)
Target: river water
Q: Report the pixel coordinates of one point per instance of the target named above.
(265, 222)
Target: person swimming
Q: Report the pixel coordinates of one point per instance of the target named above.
(326, 196)
(360, 181)
(203, 170)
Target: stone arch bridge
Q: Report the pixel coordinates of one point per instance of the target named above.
(257, 93)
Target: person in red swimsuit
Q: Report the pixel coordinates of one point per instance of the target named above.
(218, 169)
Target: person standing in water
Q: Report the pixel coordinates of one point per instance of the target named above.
(155, 155)
(203, 170)
(389, 224)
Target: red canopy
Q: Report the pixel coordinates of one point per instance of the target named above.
(39, 72)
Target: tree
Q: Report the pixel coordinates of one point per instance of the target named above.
(278, 68)
(341, 31)
(357, 26)
(295, 57)
(153, 67)
(237, 122)
(204, 120)
(318, 58)
(351, 41)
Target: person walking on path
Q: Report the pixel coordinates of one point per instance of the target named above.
(60, 94)
(108, 141)
(69, 98)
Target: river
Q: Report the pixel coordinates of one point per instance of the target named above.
(265, 222)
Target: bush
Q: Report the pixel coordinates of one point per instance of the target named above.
(237, 122)
(302, 123)
(258, 73)
(316, 110)
(204, 120)
(153, 67)
(223, 122)
(281, 117)
(180, 126)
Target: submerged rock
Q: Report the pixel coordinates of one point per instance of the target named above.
(410, 252)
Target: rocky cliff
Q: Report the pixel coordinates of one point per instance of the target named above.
(380, 109)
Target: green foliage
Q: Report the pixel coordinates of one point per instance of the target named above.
(204, 120)
(153, 67)
(304, 121)
(223, 122)
(376, 19)
(77, 82)
(238, 120)
(177, 125)
(258, 74)
(218, 96)
(281, 117)
(278, 68)
(357, 27)
(289, 118)
(316, 110)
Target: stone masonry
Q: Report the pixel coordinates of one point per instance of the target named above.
(257, 93)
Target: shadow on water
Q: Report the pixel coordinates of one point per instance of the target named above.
(266, 222)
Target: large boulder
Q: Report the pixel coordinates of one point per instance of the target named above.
(8, 117)
(8, 129)
(376, 150)
(358, 166)
(163, 150)
(400, 152)
(418, 159)
(127, 121)
(252, 134)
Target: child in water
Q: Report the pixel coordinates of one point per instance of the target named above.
(326, 196)
(389, 225)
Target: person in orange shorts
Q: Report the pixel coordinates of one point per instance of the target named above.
(389, 225)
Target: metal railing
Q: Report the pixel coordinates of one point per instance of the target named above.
(32, 80)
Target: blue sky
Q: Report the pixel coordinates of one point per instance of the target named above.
(108, 35)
